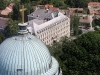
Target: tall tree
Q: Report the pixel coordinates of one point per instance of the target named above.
(2, 37)
(12, 28)
(16, 14)
(3, 4)
(24, 1)
(74, 24)
(80, 56)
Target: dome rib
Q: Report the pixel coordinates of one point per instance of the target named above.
(26, 55)
(39, 55)
(5, 56)
(35, 55)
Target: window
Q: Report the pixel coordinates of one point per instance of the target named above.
(38, 32)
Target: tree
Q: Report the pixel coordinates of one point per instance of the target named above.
(12, 28)
(24, 1)
(16, 13)
(2, 37)
(88, 12)
(74, 24)
(3, 4)
(59, 3)
(96, 22)
(43, 2)
(80, 56)
(28, 11)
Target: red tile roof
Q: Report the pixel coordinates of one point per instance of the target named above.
(11, 5)
(97, 12)
(94, 10)
(8, 9)
(53, 8)
(85, 19)
(73, 9)
(49, 6)
(94, 4)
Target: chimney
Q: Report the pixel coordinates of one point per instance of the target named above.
(47, 10)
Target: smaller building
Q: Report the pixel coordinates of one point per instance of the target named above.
(4, 16)
(47, 6)
(94, 8)
(7, 10)
(73, 11)
(50, 7)
(86, 22)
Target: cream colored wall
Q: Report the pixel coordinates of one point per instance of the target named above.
(56, 32)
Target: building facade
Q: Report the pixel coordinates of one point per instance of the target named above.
(74, 11)
(86, 22)
(49, 25)
(94, 8)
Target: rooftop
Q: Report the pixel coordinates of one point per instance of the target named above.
(85, 19)
(7, 10)
(41, 15)
(50, 7)
(94, 4)
(73, 9)
(94, 11)
(26, 55)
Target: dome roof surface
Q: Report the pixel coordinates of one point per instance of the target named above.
(26, 55)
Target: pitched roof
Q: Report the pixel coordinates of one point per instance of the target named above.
(85, 19)
(94, 11)
(7, 10)
(43, 14)
(73, 9)
(50, 7)
(48, 23)
(94, 4)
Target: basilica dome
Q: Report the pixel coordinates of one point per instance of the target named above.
(26, 55)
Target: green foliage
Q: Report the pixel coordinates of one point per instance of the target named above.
(3, 4)
(88, 12)
(28, 11)
(74, 24)
(16, 13)
(12, 27)
(80, 56)
(96, 22)
(2, 37)
(58, 3)
(65, 3)
(44, 2)
(24, 1)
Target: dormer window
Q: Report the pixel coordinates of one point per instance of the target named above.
(32, 14)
